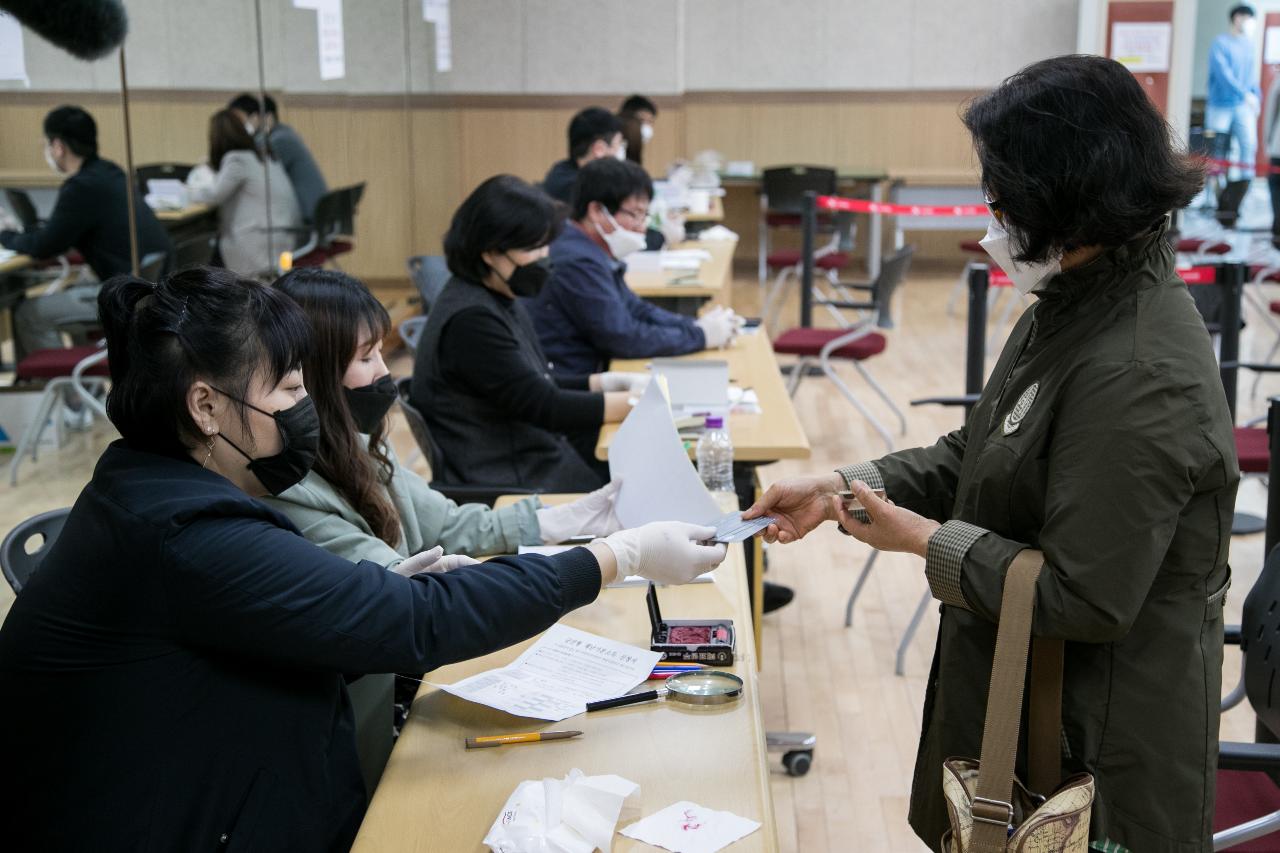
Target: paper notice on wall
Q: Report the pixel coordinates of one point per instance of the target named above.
(13, 62)
(1142, 46)
(437, 12)
(1271, 46)
(331, 39)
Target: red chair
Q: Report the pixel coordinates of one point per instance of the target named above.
(855, 343)
(81, 369)
(334, 225)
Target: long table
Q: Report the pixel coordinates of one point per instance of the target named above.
(712, 280)
(436, 796)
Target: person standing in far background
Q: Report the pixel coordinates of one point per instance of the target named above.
(1232, 107)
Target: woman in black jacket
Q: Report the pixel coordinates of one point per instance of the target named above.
(481, 378)
(173, 673)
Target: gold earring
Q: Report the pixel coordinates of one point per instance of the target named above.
(207, 456)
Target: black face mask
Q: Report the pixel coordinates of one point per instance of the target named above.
(528, 279)
(370, 403)
(299, 427)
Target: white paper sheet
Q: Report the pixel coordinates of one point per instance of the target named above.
(13, 62)
(695, 386)
(331, 40)
(437, 12)
(686, 827)
(557, 676)
(1142, 46)
(659, 483)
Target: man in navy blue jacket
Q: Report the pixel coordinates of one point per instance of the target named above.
(586, 314)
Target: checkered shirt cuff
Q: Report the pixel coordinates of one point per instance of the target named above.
(867, 473)
(944, 560)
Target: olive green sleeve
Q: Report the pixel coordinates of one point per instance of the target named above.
(922, 479)
(472, 529)
(1127, 455)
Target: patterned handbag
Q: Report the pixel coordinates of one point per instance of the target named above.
(990, 810)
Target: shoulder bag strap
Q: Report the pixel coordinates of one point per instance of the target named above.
(992, 802)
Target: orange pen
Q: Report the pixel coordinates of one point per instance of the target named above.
(530, 737)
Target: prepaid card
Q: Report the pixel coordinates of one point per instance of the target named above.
(557, 676)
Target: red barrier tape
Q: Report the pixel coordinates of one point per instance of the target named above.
(1191, 275)
(861, 205)
(1219, 167)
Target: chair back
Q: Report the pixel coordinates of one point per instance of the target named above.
(1260, 633)
(23, 209)
(335, 214)
(784, 186)
(430, 274)
(17, 563)
(153, 266)
(418, 426)
(411, 331)
(160, 171)
(194, 251)
(893, 272)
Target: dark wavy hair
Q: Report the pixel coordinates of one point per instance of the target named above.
(342, 311)
(609, 182)
(1073, 154)
(199, 323)
(227, 133)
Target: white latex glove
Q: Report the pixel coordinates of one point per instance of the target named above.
(201, 178)
(1252, 101)
(665, 551)
(673, 229)
(718, 327)
(8, 222)
(591, 515)
(435, 560)
(618, 380)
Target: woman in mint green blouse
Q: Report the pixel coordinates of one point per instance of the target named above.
(359, 502)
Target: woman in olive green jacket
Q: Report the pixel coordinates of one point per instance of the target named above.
(359, 502)
(1102, 439)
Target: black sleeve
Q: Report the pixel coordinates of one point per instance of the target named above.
(248, 586)
(574, 382)
(73, 215)
(477, 352)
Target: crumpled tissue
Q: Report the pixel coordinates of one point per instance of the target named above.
(576, 814)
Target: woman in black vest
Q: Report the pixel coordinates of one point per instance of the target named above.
(481, 378)
(173, 673)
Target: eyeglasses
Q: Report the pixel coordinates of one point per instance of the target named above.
(636, 215)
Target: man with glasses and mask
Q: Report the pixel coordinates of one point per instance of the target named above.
(586, 315)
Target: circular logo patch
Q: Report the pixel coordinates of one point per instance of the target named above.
(1013, 420)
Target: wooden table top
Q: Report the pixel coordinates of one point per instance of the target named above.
(435, 795)
(185, 214)
(16, 263)
(775, 433)
(713, 278)
(27, 178)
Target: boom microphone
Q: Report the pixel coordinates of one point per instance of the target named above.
(87, 29)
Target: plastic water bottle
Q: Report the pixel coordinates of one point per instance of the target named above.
(715, 457)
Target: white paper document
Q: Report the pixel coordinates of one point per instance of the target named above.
(557, 676)
(1142, 46)
(575, 814)
(695, 386)
(331, 41)
(686, 827)
(659, 483)
(13, 63)
(437, 12)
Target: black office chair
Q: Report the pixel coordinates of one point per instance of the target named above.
(335, 218)
(160, 171)
(23, 209)
(17, 563)
(193, 251)
(456, 492)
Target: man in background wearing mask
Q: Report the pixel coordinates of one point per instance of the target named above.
(1232, 106)
(263, 122)
(586, 315)
(594, 133)
(91, 215)
(638, 114)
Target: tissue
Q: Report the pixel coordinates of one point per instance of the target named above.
(576, 814)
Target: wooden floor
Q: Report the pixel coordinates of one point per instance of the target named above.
(818, 676)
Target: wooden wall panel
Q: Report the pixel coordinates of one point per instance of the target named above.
(420, 159)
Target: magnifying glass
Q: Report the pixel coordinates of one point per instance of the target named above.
(692, 688)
